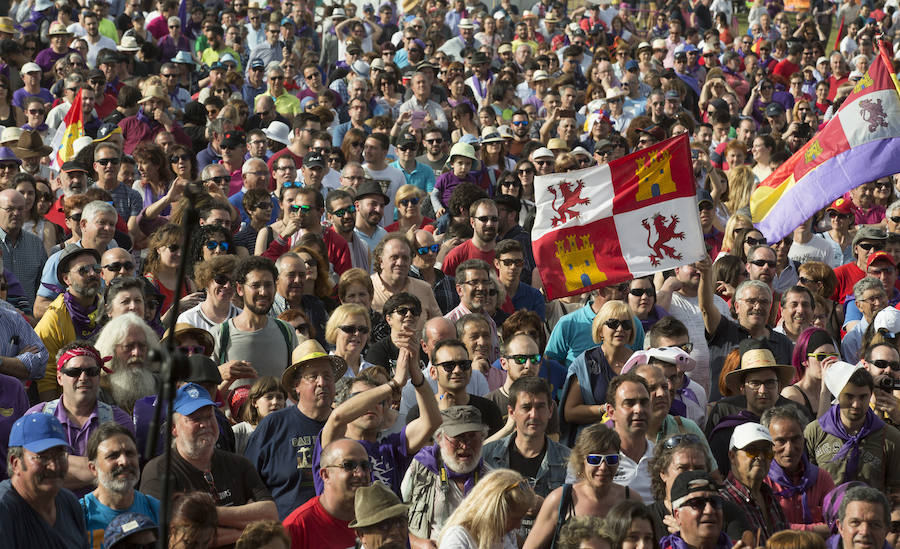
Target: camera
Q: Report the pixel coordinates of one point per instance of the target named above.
(887, 383)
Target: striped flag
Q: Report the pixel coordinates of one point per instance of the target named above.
(71, 129)
(606, 224)
(861, 143)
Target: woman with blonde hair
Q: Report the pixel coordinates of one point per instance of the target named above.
(409, 200)
(736, 222)
(566, 162)
(741, 183)
(489, 516)
(348, 330)
(613, 329)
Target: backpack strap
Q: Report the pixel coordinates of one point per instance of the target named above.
(565, 501)
(286, 332)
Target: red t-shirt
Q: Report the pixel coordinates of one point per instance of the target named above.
(847, 275)
(310, 526)
(785, 68)
(465, 251)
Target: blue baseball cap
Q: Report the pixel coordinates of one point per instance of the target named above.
(631, 64)
(37, 432)
(125, 525)
(469, 139)
(190, 398)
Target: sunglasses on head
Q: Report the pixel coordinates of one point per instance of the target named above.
(92, 371)
(424, 250)
(595, 460)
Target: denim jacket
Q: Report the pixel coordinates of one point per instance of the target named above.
(552, 473)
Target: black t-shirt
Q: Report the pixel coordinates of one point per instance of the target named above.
(527, 467)
(234, 480)
(490, 415)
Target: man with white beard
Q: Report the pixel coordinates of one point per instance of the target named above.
(113, 459)
(456, 458)
(240, 495)
(78, 410)
(127, 339)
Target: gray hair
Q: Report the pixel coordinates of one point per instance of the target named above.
(895, 205)
(358, 79)
(97, 207)
(786, 412)
(762, 286)
(754, 249)
(17, 452)
(249, 165)
(116, 330)
(279, 263)
(344, 386)
(207, 171)
(866, 494)
(350, 165)
(274, 68)
(73, 78)
(217, 125)
(866, 284)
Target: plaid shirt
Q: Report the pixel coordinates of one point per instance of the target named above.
(740, 495)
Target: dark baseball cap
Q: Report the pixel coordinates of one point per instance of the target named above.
(774, 109)
(314, 158)
(406, 139)
(233, 140)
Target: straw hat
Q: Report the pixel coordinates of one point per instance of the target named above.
(58, 29)
(201, 335)
(310, 353)
(755, 356)
(155, 92)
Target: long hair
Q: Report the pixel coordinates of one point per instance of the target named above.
(323, 287)
(263, 385)
(732, 362)
(798, 357)
(728, 240)
(194, 521)
(167, 235)
(622, 515)
(485, 512)
(741, 183)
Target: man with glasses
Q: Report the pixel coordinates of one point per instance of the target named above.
(269, 50)
(697, 508)
(255, 175)
(255, 31)
(358, 111)
(520, 358)
(441, 475)
(798, 485)
(79, 410)
(511, 264)
(116, 263)
(435, 154)
(871, 298)
(286, 103)
(23, 252)
(323, 521)
(485, 222)
(417, 174)
(342, 214)
(303, 127)
(35, 509)
(867, 241)
(127, 201)
(197, 465)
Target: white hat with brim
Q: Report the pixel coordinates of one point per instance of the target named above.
(278, 131)
(542, 152)
(464, 150)
(837, 375)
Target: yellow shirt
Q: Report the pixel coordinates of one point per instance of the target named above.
(286, 104)
(56, 331)
(210, 56)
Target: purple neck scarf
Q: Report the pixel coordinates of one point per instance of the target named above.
(678, 408)
(84, 320)
(430, 457)
(41, 128)
(789, 489)
(831, 424)
(674, 541)
(685, 391)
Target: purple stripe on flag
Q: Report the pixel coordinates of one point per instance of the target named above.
(830, 180)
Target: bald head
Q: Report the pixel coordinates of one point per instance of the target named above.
(116, 262)
(12, 210)
(437, 329)
(340, 483)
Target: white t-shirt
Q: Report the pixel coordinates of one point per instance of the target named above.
(818, 248)
(688, 312)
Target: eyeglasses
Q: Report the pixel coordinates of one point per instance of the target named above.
(521, 122)
(763, 263)
(175, 159)
(687, 438)
(450, 365)
(407, 201)
(92, 371)
(47, 457)
(353, 330)
(344, 211)
(351, 465)
(213, 244)
(755, 384)
(522, 359)
(119, 265)
(425, 250)
(475, 283)
(640, 292)
(192, 349)
(221, 279)
(699, 504)
(884, 364)
(595, 460)
(868, 246)
(485, 219)
(404, 311)
(614, 324)
(84, 270)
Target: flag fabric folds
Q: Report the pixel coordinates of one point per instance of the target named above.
(71, 129)
(607, 224)
(861, 143)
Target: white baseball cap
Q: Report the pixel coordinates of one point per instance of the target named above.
(748, 433)
(30, 67)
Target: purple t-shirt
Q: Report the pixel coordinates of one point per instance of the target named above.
(388, 456)
(78, 436)
(45, 59)
(20, 96)
(13, 404)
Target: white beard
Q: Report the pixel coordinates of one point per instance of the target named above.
(128, 384)
(450, 461)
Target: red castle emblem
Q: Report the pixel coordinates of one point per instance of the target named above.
(873, 113)
(570, 197)
(664, 233)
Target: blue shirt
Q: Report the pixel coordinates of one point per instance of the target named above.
(281, 448)
(15, 335)
(337, 138)
(376, 237)
(24, 528)
(249, 93)
(98, 516)
(237, 200)
(206, 157)
(572, 336)
(422, 176)
(531, 299)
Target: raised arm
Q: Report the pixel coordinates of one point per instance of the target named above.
(705, 296)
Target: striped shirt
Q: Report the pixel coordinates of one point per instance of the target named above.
(15, 335)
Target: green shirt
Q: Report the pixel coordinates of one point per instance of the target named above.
(210, 56)
(286, 104)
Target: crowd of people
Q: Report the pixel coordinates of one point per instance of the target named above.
(371, 359)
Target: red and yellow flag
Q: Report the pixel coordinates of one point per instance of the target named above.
(71, 129)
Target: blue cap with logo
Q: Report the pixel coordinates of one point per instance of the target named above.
(124, 526)
(37, 432)
(190, 398)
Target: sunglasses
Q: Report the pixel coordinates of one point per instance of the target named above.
(884, 364)
(264, 205)
(220, 179)
(300, 208)
(868, 246)
(754, 241)
(529, 170)
(512, 262)
(763, 263)
(522, 359)
(84, 270)
(640, 292)
(221, 279)
(596, 460)
(699, 504)
(760, 453)
(192, 349)
(614, 324)
(213, 244)
(404, 311)
(175, 159)
(488, 218)
(521, 122)
(450, 365)
(119, 265)
(822, 356)
(350, 465)
(424, 250)
(92, 371)
(407, 201)
(353, 330)
(344, 211)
